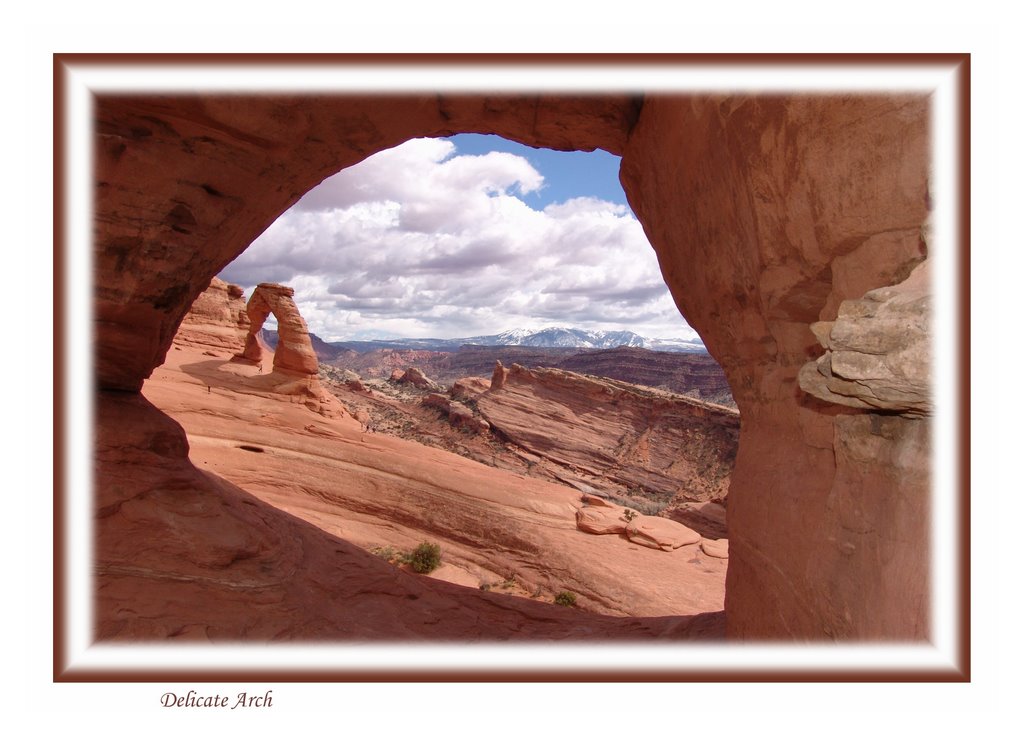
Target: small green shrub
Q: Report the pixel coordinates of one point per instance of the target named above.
(565, 598)
(629, 515)
(425, 558)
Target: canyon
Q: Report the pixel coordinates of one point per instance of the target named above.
(693, 373)
(792, 231)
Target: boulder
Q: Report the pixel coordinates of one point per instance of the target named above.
(658, 533)
(600, 520)
(715, 547)
(468, 388)
(415, 377)
(877, 351)
(437, 401)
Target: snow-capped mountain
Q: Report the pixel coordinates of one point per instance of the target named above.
(560, 337)
(551, 337)
(569, 337)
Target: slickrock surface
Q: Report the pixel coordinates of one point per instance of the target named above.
(268, 539)
(766, 213)
(615, 436)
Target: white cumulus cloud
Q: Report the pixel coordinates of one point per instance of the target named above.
(418, 241)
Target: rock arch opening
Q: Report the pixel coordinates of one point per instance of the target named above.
(653, 462)
(828, 504)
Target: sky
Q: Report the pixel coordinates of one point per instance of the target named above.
(464, 236)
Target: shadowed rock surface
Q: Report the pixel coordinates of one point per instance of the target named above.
(877, 351)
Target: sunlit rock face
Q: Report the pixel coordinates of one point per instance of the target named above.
(217, 320)
(767, 214)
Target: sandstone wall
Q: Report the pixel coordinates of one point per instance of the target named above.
(766, 214)
(217, 319)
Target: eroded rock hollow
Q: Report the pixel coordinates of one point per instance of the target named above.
(767, 214)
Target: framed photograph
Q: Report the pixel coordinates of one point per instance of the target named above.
(694, 410)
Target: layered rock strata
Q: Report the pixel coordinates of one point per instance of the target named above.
(218, 319)
(877, 351)
(615, 436)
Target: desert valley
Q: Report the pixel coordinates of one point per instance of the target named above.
(537, 484)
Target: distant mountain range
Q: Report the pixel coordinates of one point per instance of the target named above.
(552, 337)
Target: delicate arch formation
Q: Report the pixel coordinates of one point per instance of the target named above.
(294, 353)
(767, 214)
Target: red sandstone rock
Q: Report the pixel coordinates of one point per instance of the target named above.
(715, 547)
(396, 375)
(370, 489)
(601, 520)
(438, 401)
(659, 533)
(468, 388)
(499, 376)
(458, 415)
(294, 352)
(217, 319)
(463, 418)
(620, 436)
(786, 203)
(415, 377)
(766, 213)
(707, 519)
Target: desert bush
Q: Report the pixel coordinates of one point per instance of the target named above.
(565, 598)
(425, 558)
(629, 515)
